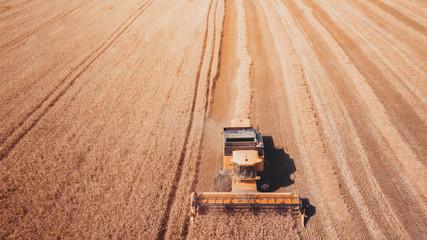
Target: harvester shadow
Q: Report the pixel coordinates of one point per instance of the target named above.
(310, 210)
(280, 165)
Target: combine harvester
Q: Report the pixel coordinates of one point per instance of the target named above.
(241, 183)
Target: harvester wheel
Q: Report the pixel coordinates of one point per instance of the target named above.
(264, 184)
(222, 182)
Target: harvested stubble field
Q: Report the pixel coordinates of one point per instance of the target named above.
(111, 115)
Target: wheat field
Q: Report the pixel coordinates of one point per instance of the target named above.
(112, 111)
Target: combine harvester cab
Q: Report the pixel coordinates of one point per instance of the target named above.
(241, 183)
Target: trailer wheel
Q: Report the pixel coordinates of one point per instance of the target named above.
(264, 185)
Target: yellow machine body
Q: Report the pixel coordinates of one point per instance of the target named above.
(244, 163)
(228, 163)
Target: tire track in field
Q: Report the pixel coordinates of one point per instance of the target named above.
(209, 97)
(272, 112)
(376, 111)
(337, 66)
(400, 16)
(19, 11)
(406, 86)
(366, 93)
(180, 166)
(31, 119)
(305, 124)
(28, 34)
(14, 6)
(416, 13)
(402, 37)
(209, 89)
(391, 101)
(330, 128)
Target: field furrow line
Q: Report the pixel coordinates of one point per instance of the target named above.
(400, 16)
(50, 100)
(383, 203)
(28, 34)
(212, 75)
(293, 74)
(358, 83)
(330, 128)
(415, 13)
(377, 113)
(242, 107)
(406, 83)
(20, 12)
(346, 66)
(418, 5)
(10, 8)
(212, 78)
(186, 148)
(405, 52)
(398, 34)
(367, 94)
(113, 110)
(369, 91)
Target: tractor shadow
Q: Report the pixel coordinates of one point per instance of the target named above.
(280, 170)
(281, 165)
(310, 210)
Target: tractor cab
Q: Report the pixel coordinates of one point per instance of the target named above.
(245, 162)
(244, 171)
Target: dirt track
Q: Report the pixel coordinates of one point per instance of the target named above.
(111, 115)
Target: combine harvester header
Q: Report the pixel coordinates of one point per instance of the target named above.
(241, 183)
